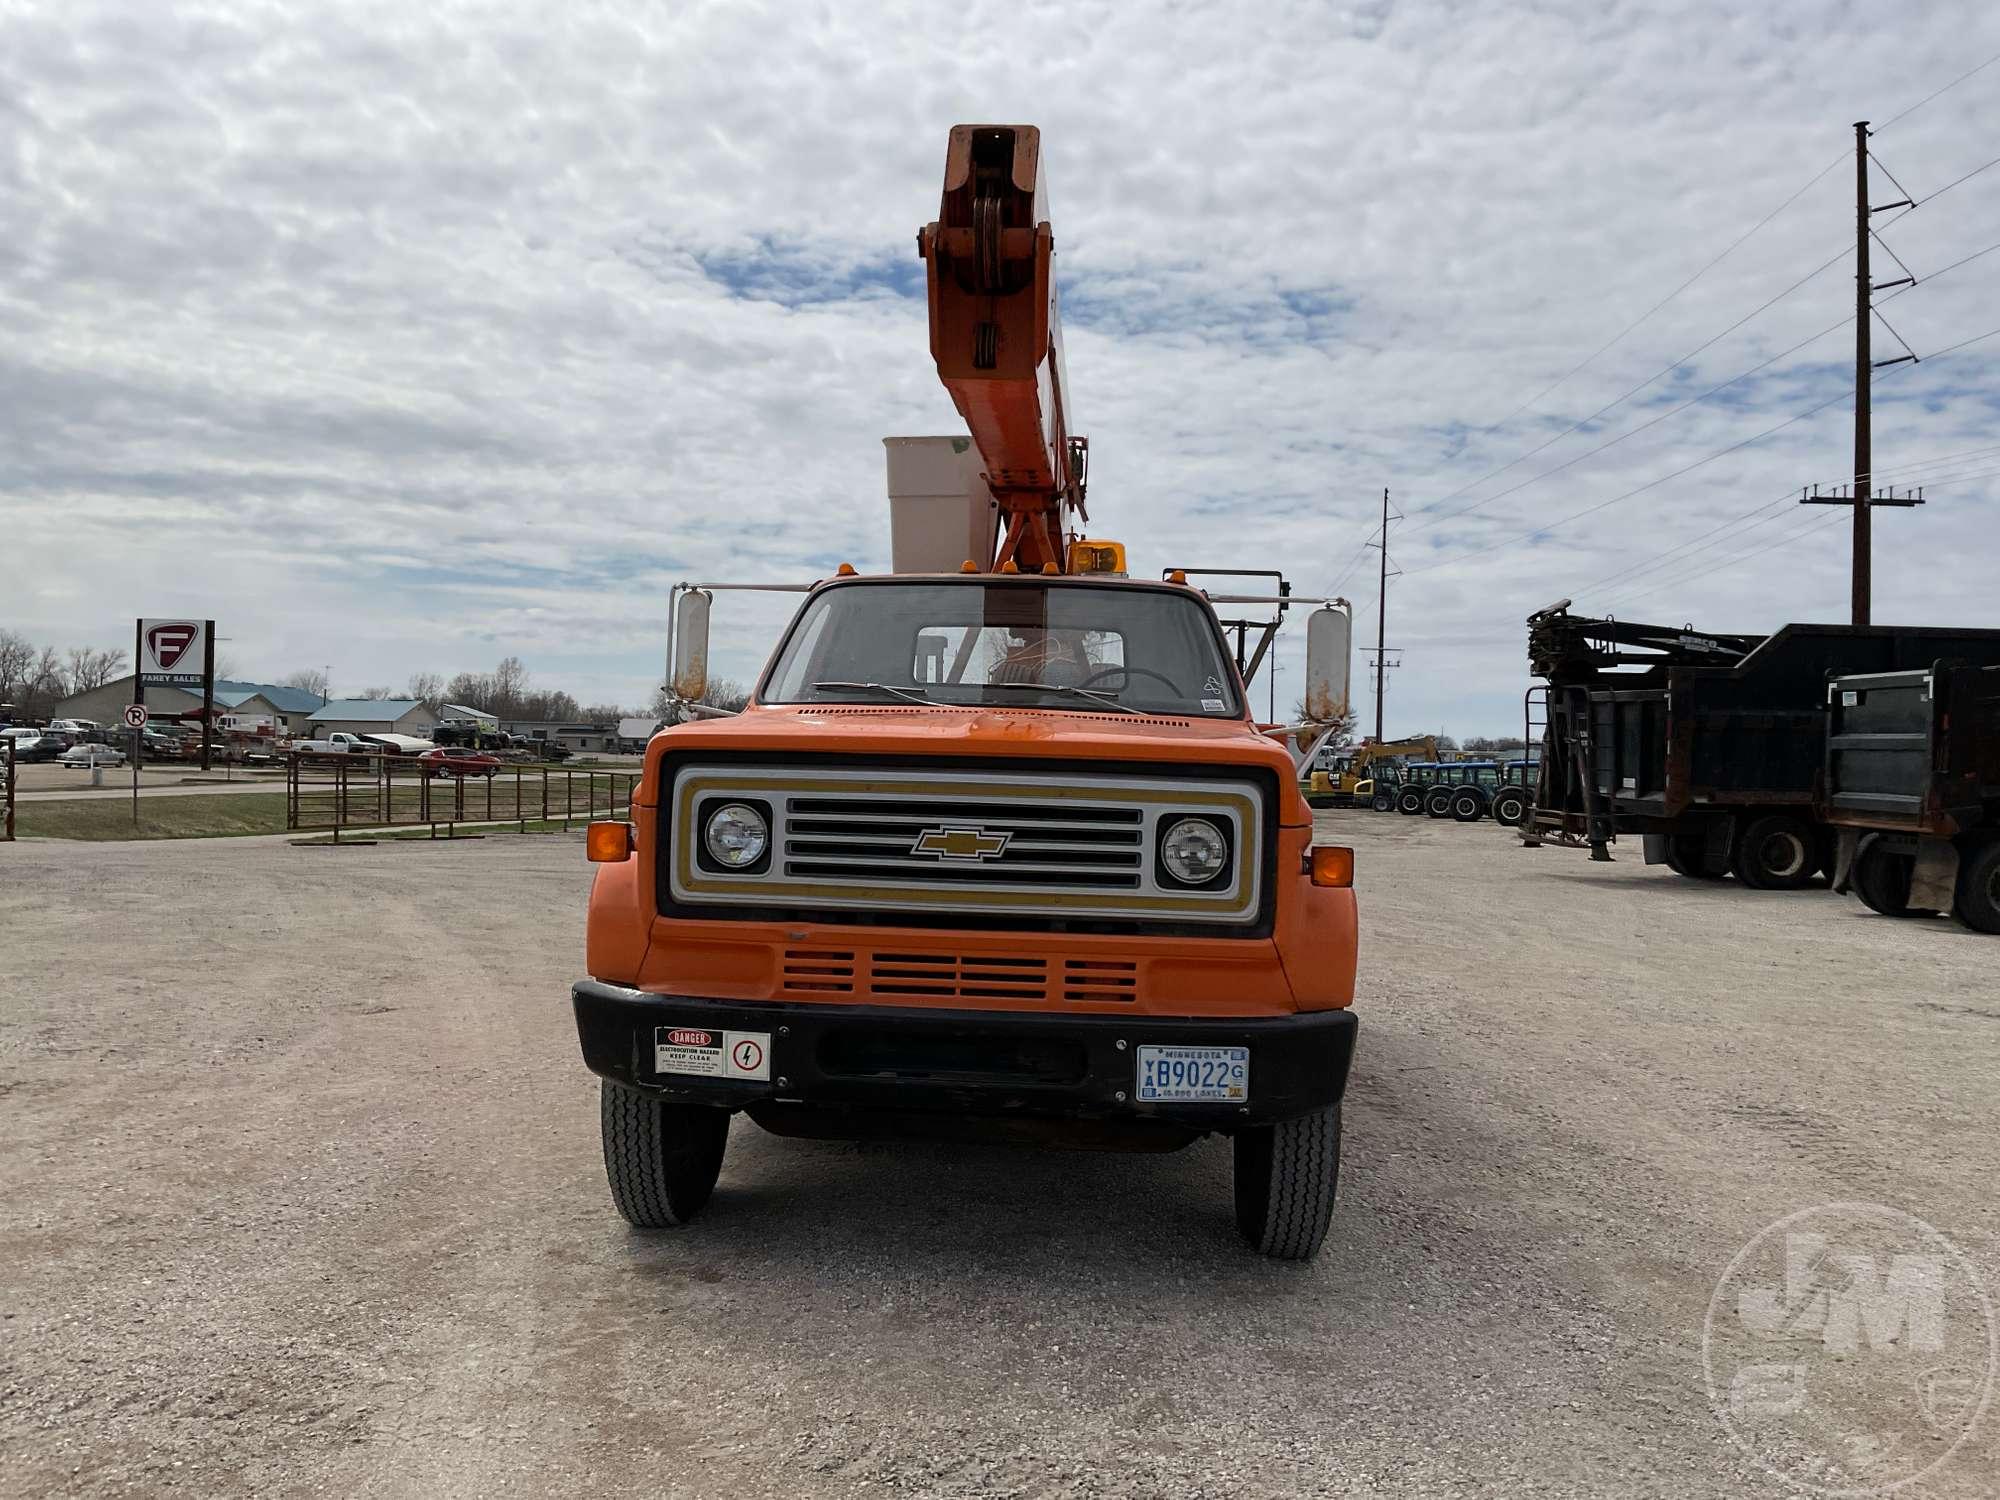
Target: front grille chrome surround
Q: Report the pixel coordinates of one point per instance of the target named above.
(1051, 845)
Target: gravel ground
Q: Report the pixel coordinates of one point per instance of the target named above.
(304, 1197)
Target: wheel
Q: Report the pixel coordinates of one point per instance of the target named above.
(1286, 1177)
(1410, 801)
(661, 1159)
(1510, 806)
(1978, 900)
(1437, 802)
(1882, 880)
(1687, 854)
(1777, 852)
(1383, 802)
(1467, 805)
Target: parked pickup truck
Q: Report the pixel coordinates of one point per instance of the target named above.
(340, 742)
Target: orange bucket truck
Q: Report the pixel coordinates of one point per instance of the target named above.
(998, 847)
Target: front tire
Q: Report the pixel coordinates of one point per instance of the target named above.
(1777, 852)
(1468, 806)
(661, 1159)
(1437, 802)
(1510, 808)
(1286, 1178)
(1383, 802)
(1410, 801)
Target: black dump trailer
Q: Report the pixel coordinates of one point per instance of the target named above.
(1913, 789)
(1710, 747)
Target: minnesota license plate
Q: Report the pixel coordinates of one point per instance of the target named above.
(1196, 1075)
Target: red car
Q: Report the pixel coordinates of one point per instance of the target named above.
(447, 760)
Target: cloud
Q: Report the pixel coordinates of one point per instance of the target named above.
(403, 337)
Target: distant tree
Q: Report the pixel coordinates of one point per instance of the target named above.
(377, 694)
(723, 692)
(427, 688)
(90, 670)
(310, 680)
(17, 655)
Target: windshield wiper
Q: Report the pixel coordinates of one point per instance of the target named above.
(906, 694)
(1098, 698)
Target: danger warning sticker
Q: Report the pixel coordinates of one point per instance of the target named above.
(699, 1052)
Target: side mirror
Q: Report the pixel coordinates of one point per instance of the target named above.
(1329, 652)
(690, 664)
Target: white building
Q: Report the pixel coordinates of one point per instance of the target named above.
(374, 716)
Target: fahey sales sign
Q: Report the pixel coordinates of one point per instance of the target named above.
(172, 652)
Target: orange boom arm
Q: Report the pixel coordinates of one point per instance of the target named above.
(997, 336)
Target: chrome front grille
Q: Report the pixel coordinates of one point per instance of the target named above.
(1071, 845)
(1045, 844)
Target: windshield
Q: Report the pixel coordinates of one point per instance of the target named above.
(997, 643)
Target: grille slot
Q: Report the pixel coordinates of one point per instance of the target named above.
(1100, 979)
(822, 971)
(969, 976)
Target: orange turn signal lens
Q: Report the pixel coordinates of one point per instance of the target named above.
(1333, 866)
(608, 843)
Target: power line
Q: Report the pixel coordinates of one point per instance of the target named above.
(1629, 327)
(1795, 535)
(1653, 422)
(1841, 395)
(1747, 521)
(1930, 96)
(1585, 422)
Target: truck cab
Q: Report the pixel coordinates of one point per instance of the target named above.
(985, 854)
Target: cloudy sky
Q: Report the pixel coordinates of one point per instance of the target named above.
(404, 337)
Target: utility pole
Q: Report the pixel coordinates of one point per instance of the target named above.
(1382, 614)
(1864, 371)
(1862, 496)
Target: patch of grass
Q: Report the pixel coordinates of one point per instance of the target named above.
(103, 819)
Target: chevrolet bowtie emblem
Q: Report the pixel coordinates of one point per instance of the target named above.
(960, 843)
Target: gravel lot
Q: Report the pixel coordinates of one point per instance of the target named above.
(304, 1197)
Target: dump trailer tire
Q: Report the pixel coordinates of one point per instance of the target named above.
(1286, 1178)
(1437, 802)
(1383, 802)
(1882, 880)
(1978, 903)
(1687, 854)
(661, 1159)
(1410, 801)
(1467, 805)
(1510, 808)
(1777, 852)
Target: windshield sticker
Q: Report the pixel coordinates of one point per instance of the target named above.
(1212, 687)
(1212, 705)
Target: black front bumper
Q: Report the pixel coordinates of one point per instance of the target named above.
(1024, 1064)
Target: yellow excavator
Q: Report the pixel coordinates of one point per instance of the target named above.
(1345, 778)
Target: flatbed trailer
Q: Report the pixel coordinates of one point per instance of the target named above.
(1913, 790)
(1709, 747)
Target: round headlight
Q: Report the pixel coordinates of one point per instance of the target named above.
(736, 835)
(1194, 851)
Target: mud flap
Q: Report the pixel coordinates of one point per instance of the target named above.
(1934, 881)
(1848, 853)
(1655, 847)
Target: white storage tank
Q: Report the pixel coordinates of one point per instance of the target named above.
(940, 511)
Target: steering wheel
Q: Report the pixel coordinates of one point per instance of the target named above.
(1098, 676)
